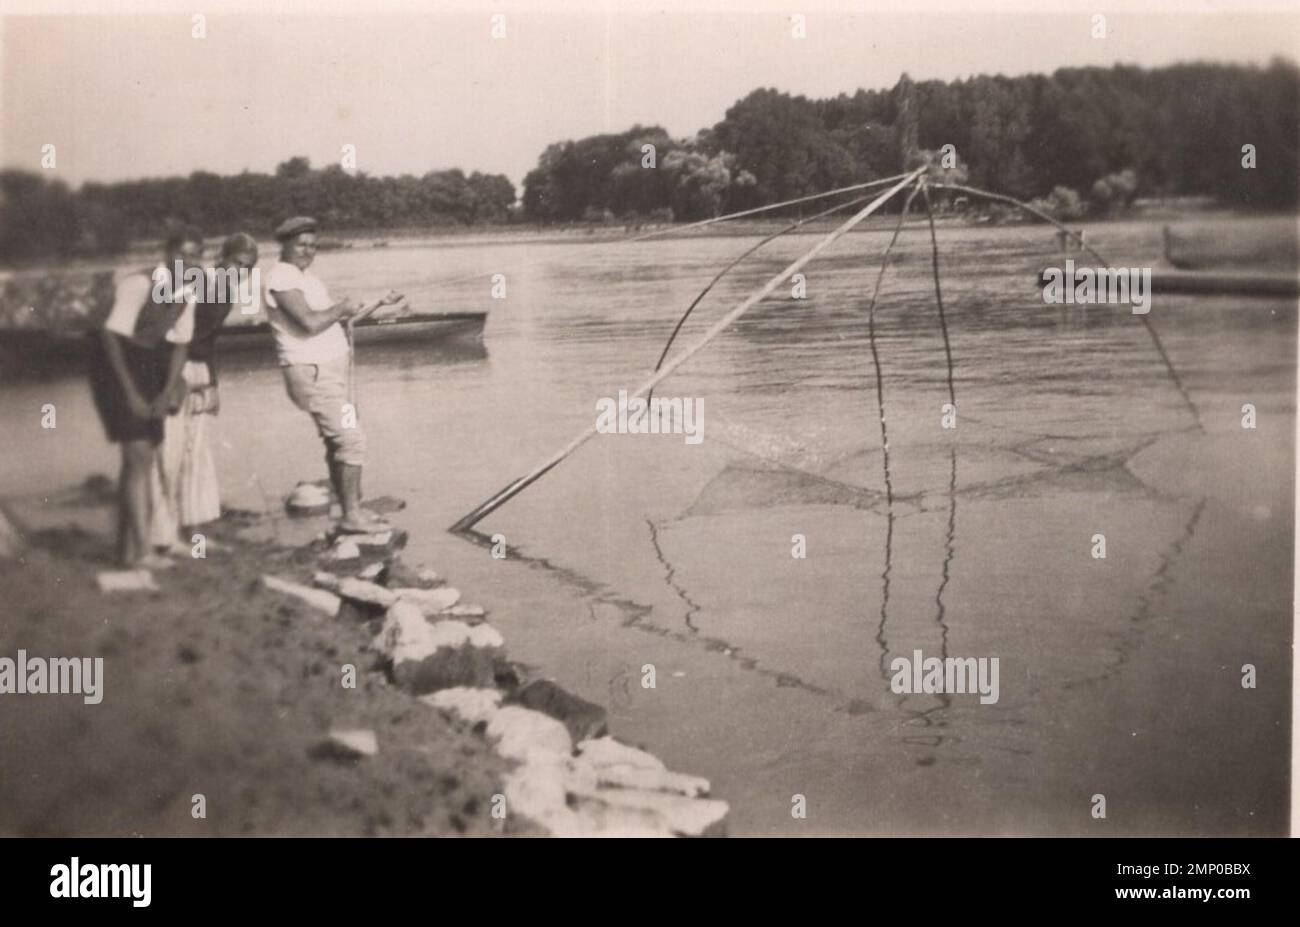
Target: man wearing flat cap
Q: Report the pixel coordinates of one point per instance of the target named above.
(314, 354)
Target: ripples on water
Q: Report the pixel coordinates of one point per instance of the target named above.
(984, 551)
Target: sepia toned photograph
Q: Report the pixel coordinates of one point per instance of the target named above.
(603, 419)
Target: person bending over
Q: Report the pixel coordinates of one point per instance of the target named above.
(136, 381)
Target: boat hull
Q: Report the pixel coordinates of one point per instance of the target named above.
(1271, 248)
(461, 326)
(26, 351)
(1255, 283)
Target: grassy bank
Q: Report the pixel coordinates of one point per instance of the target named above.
(214, 686)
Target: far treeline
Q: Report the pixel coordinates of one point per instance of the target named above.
(1083, 140)
(41, 218)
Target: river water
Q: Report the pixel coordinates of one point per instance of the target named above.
(642, 554)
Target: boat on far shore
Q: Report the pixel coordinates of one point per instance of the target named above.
(1232, 259)
(1268, 250)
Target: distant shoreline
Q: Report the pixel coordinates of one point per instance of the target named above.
(612, 233)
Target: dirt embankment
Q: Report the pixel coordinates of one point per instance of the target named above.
(215, 686)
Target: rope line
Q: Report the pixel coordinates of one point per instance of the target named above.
(517, 486)
(938, 294)
(920, 185)
(875, 354)
(702, 223)
(746, 253)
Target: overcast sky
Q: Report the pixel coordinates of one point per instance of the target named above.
(125, 96)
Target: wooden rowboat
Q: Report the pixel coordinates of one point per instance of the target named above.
(419, 326)
(1209, 283)
(39, 350)
(1271, 248)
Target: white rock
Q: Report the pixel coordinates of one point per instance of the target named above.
(362, 742)
(521, 730)
(537, 791)
(574, 797)
(689, 816)
(372, 571)
(466, 611)
(360, 590)
(603, 820)
(484, 635)
(429, 576)
(327, 602)
(577, 776)
(407, 635)
(540, 787)
(606, 751)
(125, 581)
(378, 539)
(650, 780)
(343, 550)
(473, 705)
(429, 656)
(326, 580)
(431, 601)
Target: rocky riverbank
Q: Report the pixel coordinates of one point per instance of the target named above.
(281, 684)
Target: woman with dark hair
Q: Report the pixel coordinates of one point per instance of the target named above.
(185, 486)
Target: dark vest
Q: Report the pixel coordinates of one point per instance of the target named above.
(156, 317)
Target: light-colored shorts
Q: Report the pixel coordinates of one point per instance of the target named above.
(322, 391)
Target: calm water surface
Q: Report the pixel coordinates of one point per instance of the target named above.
(1118, 676)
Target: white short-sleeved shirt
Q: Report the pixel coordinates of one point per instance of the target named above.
(293, 345)
(130, 296)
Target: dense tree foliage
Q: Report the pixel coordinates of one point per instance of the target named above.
(1082, 139)
(1110, 134)
(39, 218)
(640, 172)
